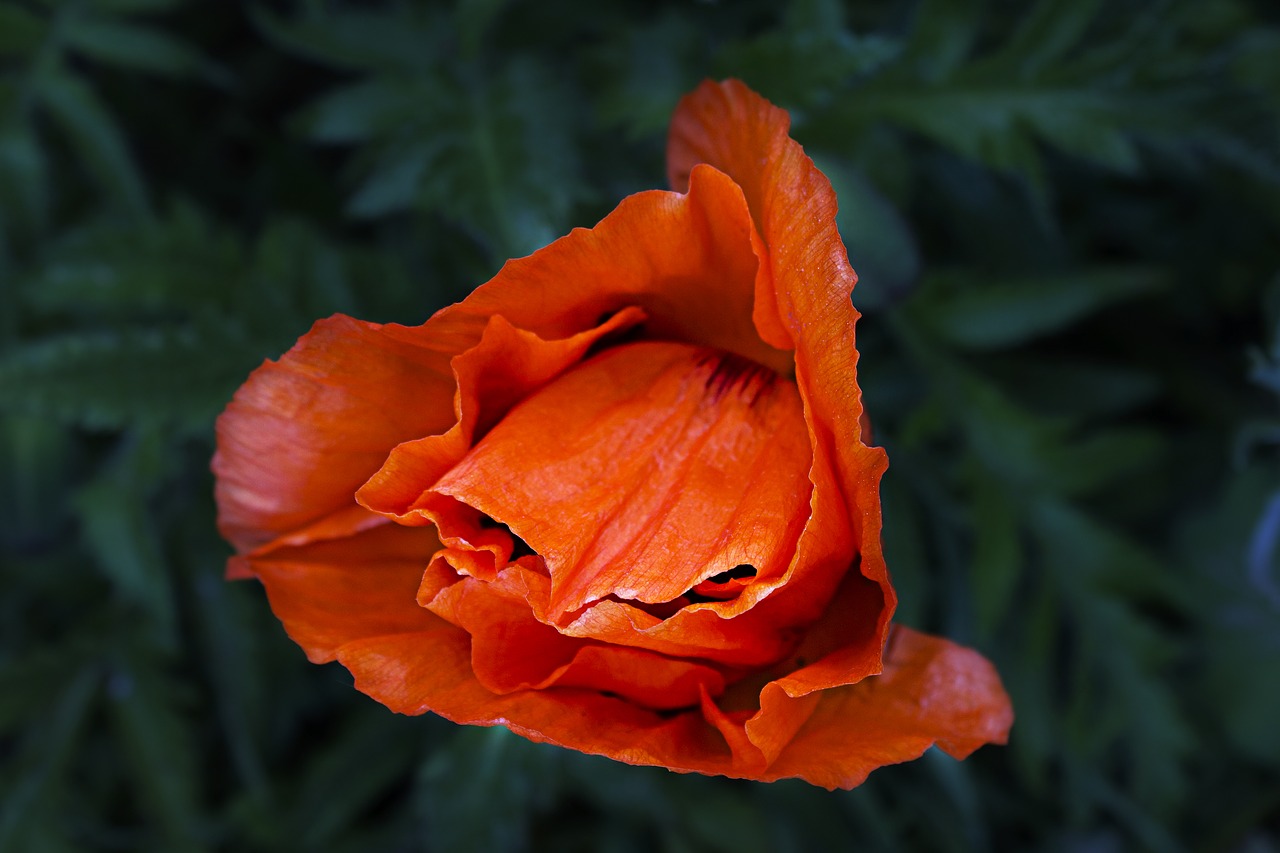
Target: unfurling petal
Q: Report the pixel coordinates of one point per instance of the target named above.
(303, 433)
(793, 207)
(931, 692)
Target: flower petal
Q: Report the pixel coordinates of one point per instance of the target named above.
(332, 592)
(793, 206)
(511, 650)
(504, 366)
(646, 470)
(689, 261)
(303, 433)
(931, 692)
(431, 671)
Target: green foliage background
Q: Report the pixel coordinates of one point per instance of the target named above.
(1066, 217)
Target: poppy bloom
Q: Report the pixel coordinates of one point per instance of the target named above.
(617, 499)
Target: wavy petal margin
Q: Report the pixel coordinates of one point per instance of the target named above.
(806, 270)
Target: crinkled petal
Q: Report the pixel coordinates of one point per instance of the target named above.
(511, 650)
(688, 261)
(431, 671)
(303, 433)
(932, 691)
(332, 592)
(504, 366)
(793, 207)
(645, 471)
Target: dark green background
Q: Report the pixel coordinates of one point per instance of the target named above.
(1066, 216)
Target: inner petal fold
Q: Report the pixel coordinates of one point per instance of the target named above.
(646, 471)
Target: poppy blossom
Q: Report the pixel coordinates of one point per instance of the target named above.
(618, 498)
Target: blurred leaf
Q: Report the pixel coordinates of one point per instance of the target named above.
(126, 269)
(970, 312)
(1047, 34)
(906, 543)
(1075, 390)
(394, 184)
(96, 137)
(1097, 554)
(38, 461)
(357, 112)
(1051, 85)
(30, 683)
(880, 242)
(942, 35)
(1237, 642)
(642, 85)
(365, 761)
(808, 56)
(720, 819)
(131, 46)
(397, 40)
(116, 514)
(21, 32)
(227, 642)
(479, 767)
(47, 753)
(998, 556)
(473, 18)
(170, 376)
(24, 176)
(129, 7)
(156, 735)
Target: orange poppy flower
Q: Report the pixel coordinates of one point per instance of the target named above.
(618, 498)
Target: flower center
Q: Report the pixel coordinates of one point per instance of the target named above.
(647, 472)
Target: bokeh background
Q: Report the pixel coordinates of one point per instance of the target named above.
(1066, 217)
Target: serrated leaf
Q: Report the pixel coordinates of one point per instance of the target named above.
(112, 380)
(942, 35)
(980, 314)
(181, 263)
(1046, 33)
(133, 46)
(809, 56)
(96, 138)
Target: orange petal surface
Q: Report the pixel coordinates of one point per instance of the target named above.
(303, 433)
(931, 692)
(793, 207)
(645, 471)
